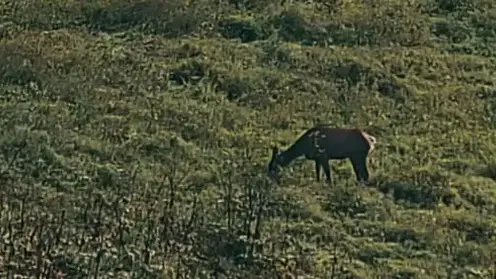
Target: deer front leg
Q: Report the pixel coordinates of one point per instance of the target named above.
(317, 169)
(327, 171)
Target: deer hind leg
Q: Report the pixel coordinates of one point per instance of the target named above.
(359, 162)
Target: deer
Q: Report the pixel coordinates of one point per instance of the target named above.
(322, 143)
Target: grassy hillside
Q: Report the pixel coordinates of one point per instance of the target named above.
(135, 137)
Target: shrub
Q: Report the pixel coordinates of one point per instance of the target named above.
(169, 18)
(425, 190)
(18, 66)
(382, 22)
(247, 30)
(454, 31)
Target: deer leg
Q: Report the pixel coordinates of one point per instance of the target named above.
(317, 169)
(359, 162)
(327, 170)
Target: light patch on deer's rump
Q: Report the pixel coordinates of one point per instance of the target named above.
(371, 140)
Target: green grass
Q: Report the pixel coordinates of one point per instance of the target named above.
(135, 137)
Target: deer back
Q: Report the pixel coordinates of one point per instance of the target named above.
(337, 143)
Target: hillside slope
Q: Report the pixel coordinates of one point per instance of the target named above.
(135, 137)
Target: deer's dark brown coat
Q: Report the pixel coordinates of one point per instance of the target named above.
(322, 143)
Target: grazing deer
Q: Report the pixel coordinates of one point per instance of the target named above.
(322, 143)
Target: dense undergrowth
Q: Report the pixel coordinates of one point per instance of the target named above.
(135, 137)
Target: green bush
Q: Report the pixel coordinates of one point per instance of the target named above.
(247, 30)
(381, 23)
(169, 18)
(453, 30)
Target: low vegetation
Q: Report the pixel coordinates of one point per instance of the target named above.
(135, 137)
